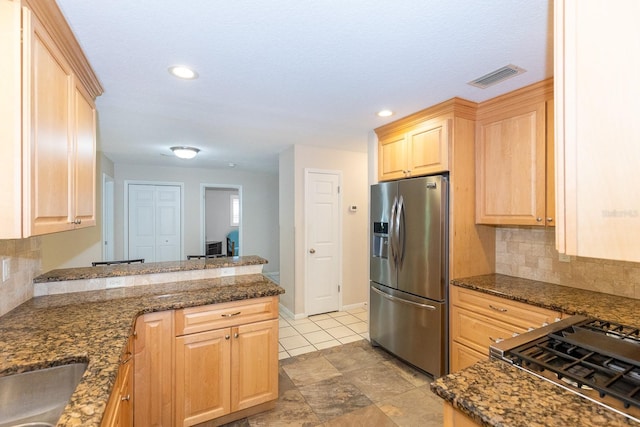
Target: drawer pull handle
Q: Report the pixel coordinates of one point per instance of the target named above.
(127, 397)
(501, 310)
(230, 314)
(496, 340)
(125, 361)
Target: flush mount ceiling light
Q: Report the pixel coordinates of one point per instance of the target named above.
(185, 152)
(183, 72)
(384, 113)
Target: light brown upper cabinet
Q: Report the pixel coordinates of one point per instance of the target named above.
(434, 140)
(52, 128)
(422, 149)
(597, 128)
(514, 158)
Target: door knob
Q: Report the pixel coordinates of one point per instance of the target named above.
(312, 251)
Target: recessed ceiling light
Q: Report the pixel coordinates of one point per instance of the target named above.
(231, 165)
(185, 152)
(183, 72)
(385, 113)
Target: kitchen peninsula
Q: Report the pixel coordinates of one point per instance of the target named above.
(95, 326)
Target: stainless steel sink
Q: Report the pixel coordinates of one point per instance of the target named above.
(37, 398)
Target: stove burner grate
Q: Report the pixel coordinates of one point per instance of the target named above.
(592, 355)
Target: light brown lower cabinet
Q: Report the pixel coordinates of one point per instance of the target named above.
(153, 370)
(206, 365)
(478, 319)
(226, 370)
(452, 417)
(119, 412)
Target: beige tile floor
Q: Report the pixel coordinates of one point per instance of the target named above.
(321, 331)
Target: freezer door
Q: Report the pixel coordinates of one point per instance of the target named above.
(410, 327)
(382, 267)
(422, 228)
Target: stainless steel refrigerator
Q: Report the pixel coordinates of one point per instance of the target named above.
(408, 270)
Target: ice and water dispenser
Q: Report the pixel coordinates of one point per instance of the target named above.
(380, 239)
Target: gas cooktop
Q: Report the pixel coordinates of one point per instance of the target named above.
(597, 359)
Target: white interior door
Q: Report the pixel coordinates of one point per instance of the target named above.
(154, 222)
(322, 219)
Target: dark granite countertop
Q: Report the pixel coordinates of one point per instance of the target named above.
(146, 268)
(94, 327)
(494, 393)
(555, 297)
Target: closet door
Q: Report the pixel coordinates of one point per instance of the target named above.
(154, 222)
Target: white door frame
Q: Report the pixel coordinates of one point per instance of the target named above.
(126, 212)
(108, 210)
(308, 171)
(203, 219)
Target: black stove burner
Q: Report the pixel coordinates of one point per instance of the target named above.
(592, 354)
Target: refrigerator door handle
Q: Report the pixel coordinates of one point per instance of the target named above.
(401, 300)
(392, 235)
(400, 232)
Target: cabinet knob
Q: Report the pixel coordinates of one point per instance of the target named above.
(539, 219)
(312, 251)
(236, 335)
(125, 398)
(226, 337)
(549, 219)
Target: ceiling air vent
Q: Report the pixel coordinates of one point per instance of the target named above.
(497, 76)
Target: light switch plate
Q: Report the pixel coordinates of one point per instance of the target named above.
(6, 263)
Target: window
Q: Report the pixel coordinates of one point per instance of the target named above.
(235, 210)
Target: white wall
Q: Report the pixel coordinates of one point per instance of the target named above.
(259, 198)
(353, 165)
(287, 227)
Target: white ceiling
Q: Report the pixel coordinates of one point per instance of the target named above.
(281, 72)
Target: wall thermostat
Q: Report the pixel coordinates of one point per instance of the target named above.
(353, 208)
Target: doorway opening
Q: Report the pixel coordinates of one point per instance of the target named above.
(221, 219)
(108, 217)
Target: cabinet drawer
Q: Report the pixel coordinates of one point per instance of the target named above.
(478, 331)
(512, 312)
(215, 316)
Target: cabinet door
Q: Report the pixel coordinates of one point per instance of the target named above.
(10, 105)
(153, 369)
(392, 157)
(428, 147)
(203, 375)
(254, 368)
(511, 158)
(47, 135)
(84, 167)
(597, 128)
(463, 356)
(455, 418)
(550, 197)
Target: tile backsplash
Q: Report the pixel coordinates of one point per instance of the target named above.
(530, 253)
(24, 265)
